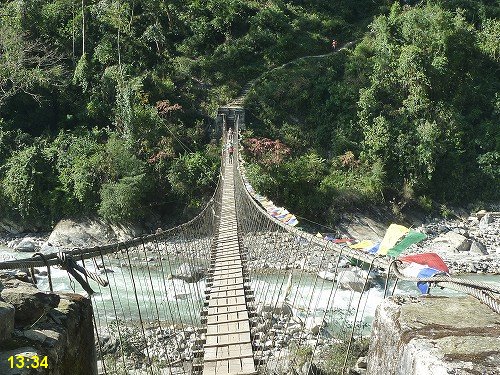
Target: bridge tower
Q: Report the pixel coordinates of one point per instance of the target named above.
(227, 115)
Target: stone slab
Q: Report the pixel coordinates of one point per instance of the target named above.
(434, 335)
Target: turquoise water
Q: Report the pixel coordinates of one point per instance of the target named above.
(176, 302)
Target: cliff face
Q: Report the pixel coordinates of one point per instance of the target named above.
(56, 325)
(434, 335)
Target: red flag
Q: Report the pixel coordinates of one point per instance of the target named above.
(429, 259)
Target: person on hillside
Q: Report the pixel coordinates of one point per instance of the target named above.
(334, 44)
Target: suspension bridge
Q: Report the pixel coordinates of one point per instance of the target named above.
(232, 291)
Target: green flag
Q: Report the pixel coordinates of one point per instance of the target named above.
(410, 238)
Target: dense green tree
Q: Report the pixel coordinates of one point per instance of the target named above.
(29, 184)
(429, 100)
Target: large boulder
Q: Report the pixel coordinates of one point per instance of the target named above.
(27, 245)
(368, 227)
(67, 339)
(6, 320)
(353, 280)
(314, 324)
(189, 273)
(486, 220)
(452, 241)
(89, 232)
(29, 302)
(10, 226)
(479, 248)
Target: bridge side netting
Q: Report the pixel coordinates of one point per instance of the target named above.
(302, 319)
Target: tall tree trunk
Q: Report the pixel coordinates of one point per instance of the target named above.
(83, 27)
(118, 47)
(73, 30)
(169, 16)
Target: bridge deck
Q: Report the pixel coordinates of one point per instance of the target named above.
(228, 348)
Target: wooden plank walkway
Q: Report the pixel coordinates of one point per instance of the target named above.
(228, 347)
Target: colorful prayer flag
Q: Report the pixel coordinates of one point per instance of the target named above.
(429, 259)
(393, 234)
(421, 271)
(282, 215)
(374, 248)
(365, 244)
(412, 237)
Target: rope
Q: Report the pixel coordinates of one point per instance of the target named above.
(482, 291)
(355, 317)
(49, 277)
(71, 266)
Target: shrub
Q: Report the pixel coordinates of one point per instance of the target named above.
(29, 183)
(192, 174)
(122, 200)
(81, 170)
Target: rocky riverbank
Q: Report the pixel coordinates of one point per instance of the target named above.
(68, 234)
(467, 243)
(161, 346)
(56, 327)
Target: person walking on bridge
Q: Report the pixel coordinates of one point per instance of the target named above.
(231, 152)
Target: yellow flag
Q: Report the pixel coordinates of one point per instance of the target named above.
(362, 245)
(393, 234)
(319, 235)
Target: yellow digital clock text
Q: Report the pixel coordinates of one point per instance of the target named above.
(19, 361)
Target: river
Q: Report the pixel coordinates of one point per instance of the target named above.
(148, 293)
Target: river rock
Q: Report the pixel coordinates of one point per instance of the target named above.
(10, 226)
(314, 324)
(353, 280)
(48, 248)
(89, 232)
(281, 308)
(479, 248)
(452, 241)
(486, 220)
(29, 302)
(26, 245)
(481, 213)
(189, 273)
(330, 276)
(361, 363)
(7, 312)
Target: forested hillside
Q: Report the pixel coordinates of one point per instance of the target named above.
(106, 106)
(408, 117)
